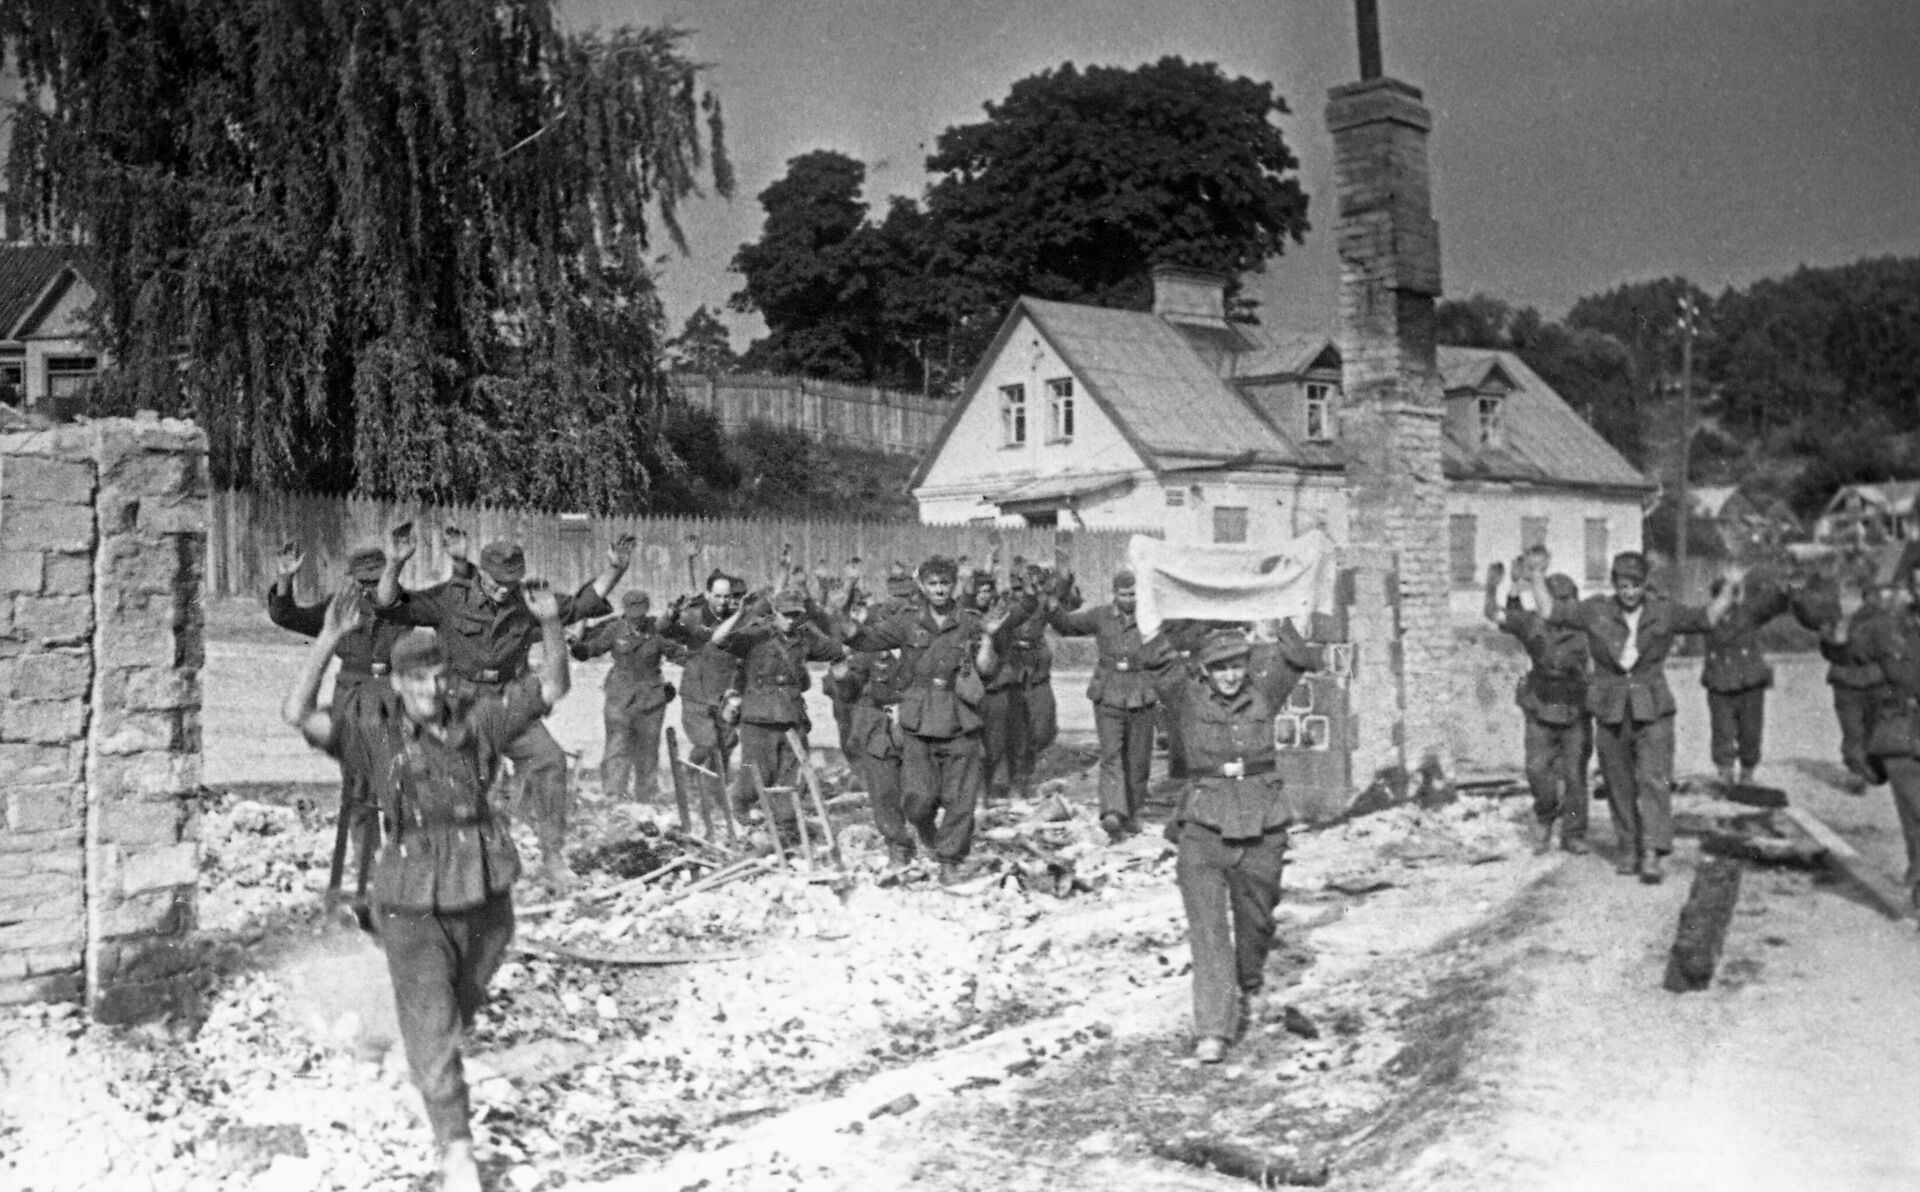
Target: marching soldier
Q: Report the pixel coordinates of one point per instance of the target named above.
(1004, 710)
(1124, 694)
(774, 641)
(1629, 635)
(636, 696)
(484, 625)
(869, 682)
(1736, 676)
(1553, 703)
(1890, 641)
(945, 654)
(443, 879)
(1231, 829)
(1855, 681)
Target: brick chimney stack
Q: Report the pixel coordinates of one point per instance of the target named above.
(1393, 407)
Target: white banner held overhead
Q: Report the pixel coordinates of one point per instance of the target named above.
(1294, 579)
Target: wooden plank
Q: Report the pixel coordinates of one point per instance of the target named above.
(1703, 926)
(1888, 896)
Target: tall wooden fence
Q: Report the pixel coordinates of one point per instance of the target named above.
(857, 416)
(674, 553)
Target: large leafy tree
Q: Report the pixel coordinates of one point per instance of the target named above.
(1073, 188)
(384, 246)
(703, 345)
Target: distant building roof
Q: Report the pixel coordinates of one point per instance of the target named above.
(1542, 439)
(1710, 500)
(1283, 353)
(1894, 496)
(26, 272)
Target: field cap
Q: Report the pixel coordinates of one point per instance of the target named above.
(1224, 645)
(504, 562)
(366, 564)
(417, 650)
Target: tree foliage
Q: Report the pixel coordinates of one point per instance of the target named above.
(381, 246)
(1073, 187)
(703, 345)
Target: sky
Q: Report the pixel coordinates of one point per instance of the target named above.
(1577, 144)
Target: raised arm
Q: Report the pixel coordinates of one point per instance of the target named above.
(556, 679)
(597, 640)
(1496, 579)
(346, 612)
(282, 610)
(1079, 623)
(400, 548)
(619, 558)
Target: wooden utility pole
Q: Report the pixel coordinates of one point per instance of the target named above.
(1683, 518)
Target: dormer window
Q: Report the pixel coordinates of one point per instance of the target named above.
(1487, 420)
(1060, 410)
(1013, 414)
(1319, 413)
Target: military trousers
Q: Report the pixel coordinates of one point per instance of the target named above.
(1903, 775)
(1854, 707)
(710, 741)
(1172, 709)
(1003, 740)
(1736, 721)
(1636, 762)
(876, 760)
(1556, 761)
(1229, 889)
(541, 766)
(1126, 757)
(630, 768)
(940, 785)
(765, 755)
(1043, 725)
(440, 963)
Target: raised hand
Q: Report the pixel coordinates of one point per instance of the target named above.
(347, 612)
(620, 554)
(400, 544)
(852, 572)
(997, 615)
(1495, 573)
(290, 560)
(541, 600)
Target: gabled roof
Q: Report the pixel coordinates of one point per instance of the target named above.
(1283, 353)
(1466, 368)
(1172, 409)
(28, 275)
(1542, 439)
(1710, 500)
(1894, 496)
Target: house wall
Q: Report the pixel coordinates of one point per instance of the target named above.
(62, 332)
(977, 460)
(1499, 513)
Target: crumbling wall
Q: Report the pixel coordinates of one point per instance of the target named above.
(102, 556)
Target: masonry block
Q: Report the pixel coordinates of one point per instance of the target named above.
(56, 921)
(49, 674)
(27, 764)
(44, 807)
(139, 732)
(145, 775)
(53, 620)
(167, 911)
(22, 571)
(38, 478)
(139, 823)
(148, 642)
(43, 525)
(158, 688)
(66, 575)
(187, 515)
(157, 868)
(50, 721)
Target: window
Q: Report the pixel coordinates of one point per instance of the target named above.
(1229, 523)
(1462, 531)
(13, 379)
(1533, 532)
(1060, 410)
(1319, 413)
(67, 375)
(1597, 560)
(1487, 409)
(1013, 414)
(1176, 498)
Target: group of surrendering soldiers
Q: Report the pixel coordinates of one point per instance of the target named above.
(941, 691)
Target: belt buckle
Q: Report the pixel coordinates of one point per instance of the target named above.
(1123, 665)
(379, 669)
(940, 683)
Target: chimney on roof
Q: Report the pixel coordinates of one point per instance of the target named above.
(1190, 297)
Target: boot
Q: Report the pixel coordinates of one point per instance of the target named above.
(554, 870)
(1115, 825)
(1210, 1050)
(1744, 774)
(458, 1171)
(1726, 776)
(1543, 838)
(1628, 864)
(1651, 872)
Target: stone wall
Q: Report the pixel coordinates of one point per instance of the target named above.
(102, 556)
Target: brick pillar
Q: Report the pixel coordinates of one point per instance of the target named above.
(1391, 415)
(103, 548)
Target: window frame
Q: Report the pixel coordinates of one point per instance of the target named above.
(1321, 402)
(1060, 395)
(1246, 524)
(1013, 415)
(1487, 419)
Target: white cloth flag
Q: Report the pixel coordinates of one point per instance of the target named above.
(1233, 583)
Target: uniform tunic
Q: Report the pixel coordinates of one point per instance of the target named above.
(1855, 680)
(442, 881)
(774, 701)
(1633, 708)
(940, 776)
(709, 676)
(869, 683)
(1736, 676)
(1007, 753)
(1029, 655)
(1558, 732)
(636, 702)
(1232, 837)
(1124, 694)
(1891, 641)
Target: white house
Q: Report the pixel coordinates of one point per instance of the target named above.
(1212, 432)
(44, 357)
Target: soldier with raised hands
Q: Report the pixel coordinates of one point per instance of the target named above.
(1558, 731)
(443, 880)
(485, 628)
(636, 693)
(945, 653)
(711, 677)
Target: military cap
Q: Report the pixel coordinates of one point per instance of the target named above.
(985, 579)
(417, 650)
(1560, 586)
(504, 562)
(1224, 645)
(633, 600)
(790, 602)
(366, 564)
(1630, 565)
(940, 567)
(1123, 579)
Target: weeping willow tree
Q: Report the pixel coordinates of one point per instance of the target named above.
(391, 247)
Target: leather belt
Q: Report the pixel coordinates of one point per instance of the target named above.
(492, 678)
(1252, 770)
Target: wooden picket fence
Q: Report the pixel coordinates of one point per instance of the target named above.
(248, 528)
(862, 416)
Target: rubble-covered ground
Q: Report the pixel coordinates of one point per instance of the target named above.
(791, 984)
